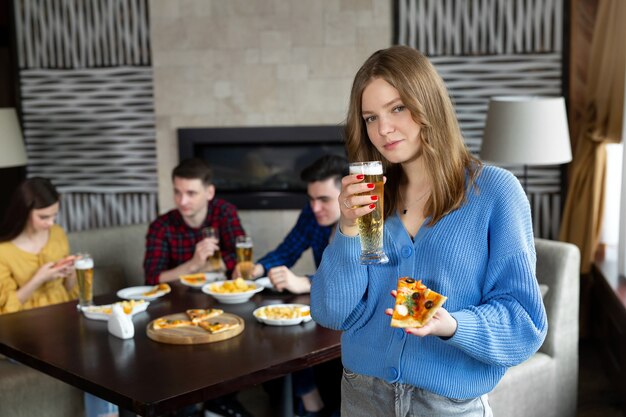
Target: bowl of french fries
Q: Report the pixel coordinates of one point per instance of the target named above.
(283, 314)
(232, 291)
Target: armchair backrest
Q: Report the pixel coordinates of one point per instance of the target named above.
(558, 266)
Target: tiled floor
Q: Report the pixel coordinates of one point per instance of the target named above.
(596, 397)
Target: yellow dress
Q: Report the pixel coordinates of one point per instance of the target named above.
(17, 267)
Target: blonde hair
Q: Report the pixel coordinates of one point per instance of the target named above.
(423, 92)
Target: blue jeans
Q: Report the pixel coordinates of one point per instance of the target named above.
(97, 407)
(363, 395)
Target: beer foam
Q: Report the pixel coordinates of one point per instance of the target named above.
(83, 263)
(367, 169)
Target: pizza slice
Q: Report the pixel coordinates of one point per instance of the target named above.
(216, 326)
(197, 315)
(415, 303)
(170, 324)
(160, 288)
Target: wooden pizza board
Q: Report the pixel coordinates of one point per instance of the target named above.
(191, 335)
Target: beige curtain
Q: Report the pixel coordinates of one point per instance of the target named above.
(601, 124)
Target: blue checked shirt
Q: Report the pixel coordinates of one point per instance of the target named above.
(307, 233)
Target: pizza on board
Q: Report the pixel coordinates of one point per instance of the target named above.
(415, 303)
(197, 315)
(170, 324)
(216, 326)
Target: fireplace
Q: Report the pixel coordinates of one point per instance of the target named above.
(259, 167)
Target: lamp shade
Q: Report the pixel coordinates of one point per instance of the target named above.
(526, 131)
(12, 150)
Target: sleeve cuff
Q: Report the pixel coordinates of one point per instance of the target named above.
(466, 329)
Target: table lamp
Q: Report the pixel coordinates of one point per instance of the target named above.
(526, 130)
(12, 150)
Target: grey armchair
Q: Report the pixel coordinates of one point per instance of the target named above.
(546, 384)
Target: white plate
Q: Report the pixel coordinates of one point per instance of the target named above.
(97, 312)
(265, 282)
(137, 293)
(258, 314)
(232, 298)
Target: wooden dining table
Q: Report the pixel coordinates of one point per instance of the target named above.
(152, 378)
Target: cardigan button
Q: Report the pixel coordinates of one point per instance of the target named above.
(392, 374)
(406, 251)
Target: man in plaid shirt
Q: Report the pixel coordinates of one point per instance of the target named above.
(174, 244)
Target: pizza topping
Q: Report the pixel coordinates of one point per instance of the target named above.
(410, 280)
(428, 304)
(409, 303)
(415, 295)
(402, 310)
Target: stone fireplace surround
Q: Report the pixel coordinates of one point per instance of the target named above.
(257, 63)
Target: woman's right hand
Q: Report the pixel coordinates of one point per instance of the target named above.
(48, 272)
(354, 202)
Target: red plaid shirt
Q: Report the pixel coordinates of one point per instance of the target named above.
(171, 242)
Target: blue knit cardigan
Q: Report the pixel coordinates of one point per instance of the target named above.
(481, 256)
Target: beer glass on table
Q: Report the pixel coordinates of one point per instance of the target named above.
(243, 245)
(371, 225)
(215, 260)
(84, 276)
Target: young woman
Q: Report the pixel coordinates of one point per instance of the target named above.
(464, 229)
(30, 246)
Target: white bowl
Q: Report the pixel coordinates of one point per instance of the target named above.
(234, 297)
(261, 315)
(103, 312)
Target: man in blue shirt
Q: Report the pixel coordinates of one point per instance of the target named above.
(313, 229)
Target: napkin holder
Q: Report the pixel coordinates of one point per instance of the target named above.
(120, 324)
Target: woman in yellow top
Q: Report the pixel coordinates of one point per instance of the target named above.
(30, 244)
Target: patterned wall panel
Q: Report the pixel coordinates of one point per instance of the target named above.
(87, 105)
(485, 48)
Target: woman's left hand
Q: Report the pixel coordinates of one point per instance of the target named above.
(441, 324)
(70, 279)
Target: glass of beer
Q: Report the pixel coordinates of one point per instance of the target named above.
(371, 225)
(84, 275)
(215, 260)
(244, 246)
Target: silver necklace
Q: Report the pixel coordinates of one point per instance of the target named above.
(406, 207)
